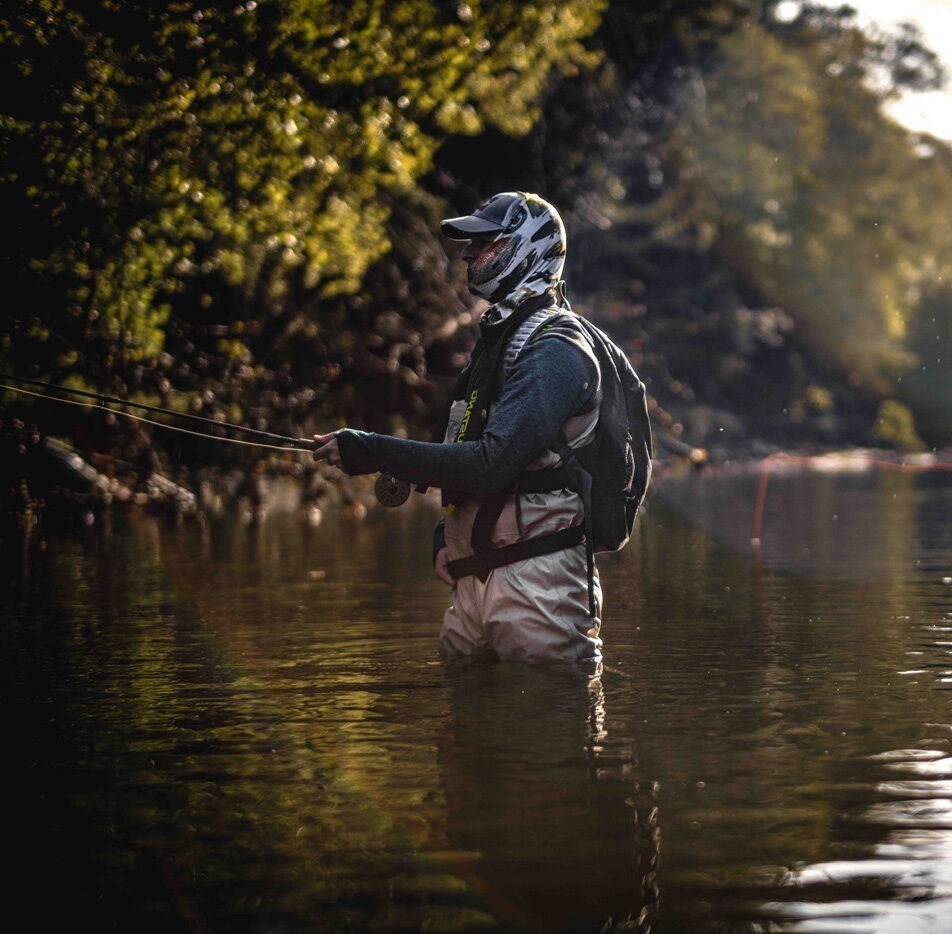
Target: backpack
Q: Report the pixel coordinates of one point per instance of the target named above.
(612, 472)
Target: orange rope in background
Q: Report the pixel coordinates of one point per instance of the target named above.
(808, 459)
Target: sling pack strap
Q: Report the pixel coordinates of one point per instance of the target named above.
(485, 557)
(546, 480)
(481, 563)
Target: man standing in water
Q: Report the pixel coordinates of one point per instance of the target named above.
(511, 543)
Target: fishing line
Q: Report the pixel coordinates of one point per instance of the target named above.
(290, 444)
(101, 398)
(389, 491)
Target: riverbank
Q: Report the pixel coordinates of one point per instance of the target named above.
(48, 483)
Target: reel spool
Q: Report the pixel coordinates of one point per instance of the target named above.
(391, 492)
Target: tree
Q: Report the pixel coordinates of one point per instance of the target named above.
(822, 203)
(193, 161)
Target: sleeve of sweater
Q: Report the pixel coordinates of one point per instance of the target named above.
(551, 380)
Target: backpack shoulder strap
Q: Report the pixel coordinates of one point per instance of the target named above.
(525, 332)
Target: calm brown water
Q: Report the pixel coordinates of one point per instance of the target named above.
(247, 728)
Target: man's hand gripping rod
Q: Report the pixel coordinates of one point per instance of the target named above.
(389, 491)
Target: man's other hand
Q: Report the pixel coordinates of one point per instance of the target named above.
(440, 568)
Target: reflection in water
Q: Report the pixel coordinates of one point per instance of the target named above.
(247, 727)
(530, 795)
(865, 523)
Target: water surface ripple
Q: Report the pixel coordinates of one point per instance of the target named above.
(246, 727)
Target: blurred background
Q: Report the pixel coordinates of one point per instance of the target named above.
(233, 211)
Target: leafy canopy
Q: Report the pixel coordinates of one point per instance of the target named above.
(184, 154)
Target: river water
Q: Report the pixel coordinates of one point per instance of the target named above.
(234, 726)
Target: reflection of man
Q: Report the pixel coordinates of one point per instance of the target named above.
(511, 544)
(548, 825)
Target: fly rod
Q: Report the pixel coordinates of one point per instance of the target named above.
(101, 399)
(389, 491)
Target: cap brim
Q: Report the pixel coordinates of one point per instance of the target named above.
(465, 228)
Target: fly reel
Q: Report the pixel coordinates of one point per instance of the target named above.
(391, 492)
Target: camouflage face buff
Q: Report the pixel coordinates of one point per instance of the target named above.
(526, 250)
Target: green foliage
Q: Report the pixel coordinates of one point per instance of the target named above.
(820, 201)
(242, 201)
(895, 427)
(159, 159)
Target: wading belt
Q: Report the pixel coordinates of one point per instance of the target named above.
(481, 563)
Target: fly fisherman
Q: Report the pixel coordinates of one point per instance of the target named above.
(511, 543)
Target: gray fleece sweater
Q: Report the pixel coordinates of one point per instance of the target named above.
(552, 379)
